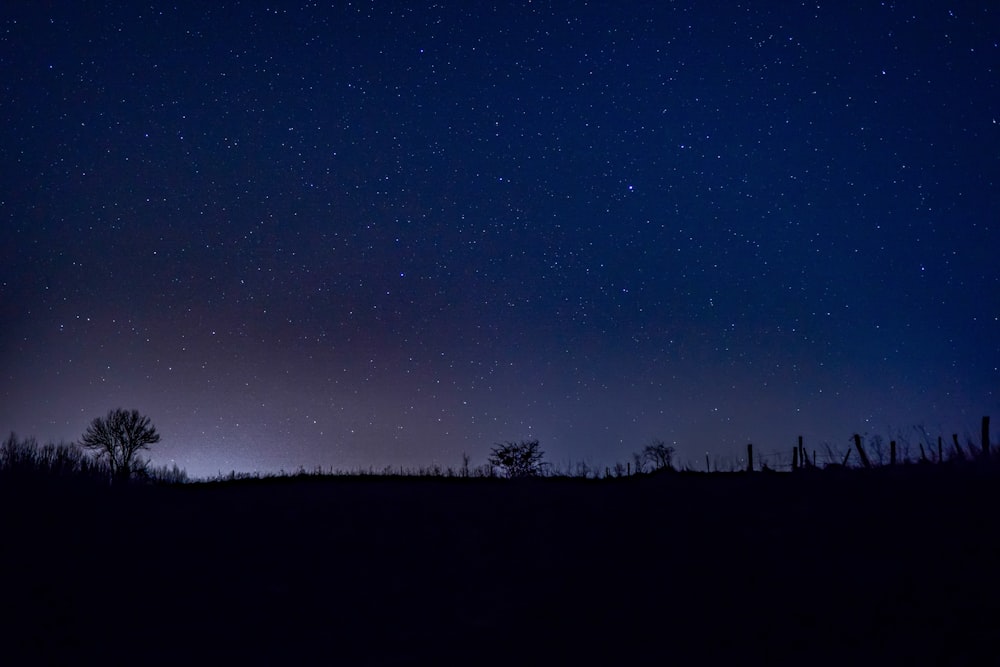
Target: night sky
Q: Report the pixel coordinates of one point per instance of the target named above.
(361, 234)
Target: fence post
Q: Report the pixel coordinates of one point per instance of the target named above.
(795, 459)
(749, 458)
(861, 452)
(708, 466)
(892, 452)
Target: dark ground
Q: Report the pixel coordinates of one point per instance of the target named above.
(889, 567)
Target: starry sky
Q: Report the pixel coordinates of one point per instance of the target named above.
(353, 234)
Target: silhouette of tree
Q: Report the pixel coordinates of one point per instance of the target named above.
(658, 455)
(518, 459)
(119, 438)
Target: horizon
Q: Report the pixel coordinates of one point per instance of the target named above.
(820, 454)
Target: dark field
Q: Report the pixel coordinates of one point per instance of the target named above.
(892, 566)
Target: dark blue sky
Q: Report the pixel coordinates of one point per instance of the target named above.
(354, 234)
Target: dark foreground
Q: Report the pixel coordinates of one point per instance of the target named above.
(876, 568)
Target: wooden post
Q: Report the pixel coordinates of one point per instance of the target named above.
(750, 458)
(958, 450)
(708, 466)
(986, 436)
(892, 452)
(814, 458)
(861, 451)
(628, 468)
(795, 459)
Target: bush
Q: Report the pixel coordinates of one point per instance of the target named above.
(167, 475)
(518, 459)
(24, 459)
(658, 455)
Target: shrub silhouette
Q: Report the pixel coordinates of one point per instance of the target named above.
(518, 459)
(26, 460)
(118, 439)
(173, 474)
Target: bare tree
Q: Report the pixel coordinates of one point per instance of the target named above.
(518, 459)
(658, 454)
(118, 438)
